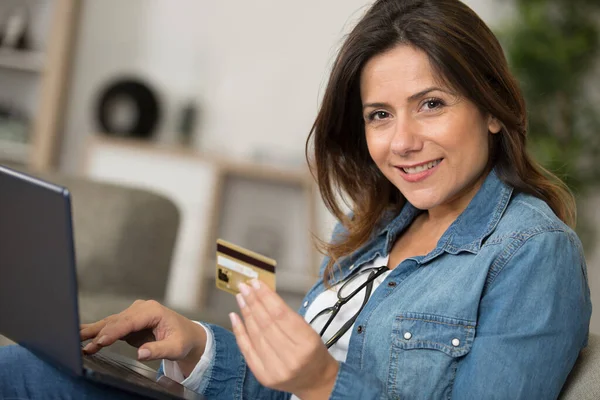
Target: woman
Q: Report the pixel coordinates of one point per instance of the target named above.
(456, 274)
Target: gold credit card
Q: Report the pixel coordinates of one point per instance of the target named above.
(236, 265)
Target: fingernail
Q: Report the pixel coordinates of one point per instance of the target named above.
(255, 283)
(143, 354)
(240, 300)
(233, 320)
(102, 340)
(88, 346)
(244, 289)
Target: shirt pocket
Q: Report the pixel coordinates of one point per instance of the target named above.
(425, 351)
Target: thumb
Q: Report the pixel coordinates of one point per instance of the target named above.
(162, 349)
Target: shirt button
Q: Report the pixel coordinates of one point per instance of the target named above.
(392, 284)
(359, 329)
(455, 342)
(305, 304)
(407, 335)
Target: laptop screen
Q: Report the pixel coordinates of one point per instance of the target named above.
(38, 283)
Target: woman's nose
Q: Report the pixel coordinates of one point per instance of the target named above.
(406, 138)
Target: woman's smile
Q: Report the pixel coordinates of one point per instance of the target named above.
(419, 172)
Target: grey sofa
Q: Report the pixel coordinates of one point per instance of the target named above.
(584, 380)
(124, 240)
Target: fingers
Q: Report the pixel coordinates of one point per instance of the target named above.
(280, 314)
(280, 348)
(164, 349)
(259, 341)
(137, 339)
(90, 331)
(268, 320)
(141, 315)
(245, 344)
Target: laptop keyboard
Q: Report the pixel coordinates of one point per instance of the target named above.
(102, 364)
(114, 365)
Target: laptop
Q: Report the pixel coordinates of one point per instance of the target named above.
(38, 289)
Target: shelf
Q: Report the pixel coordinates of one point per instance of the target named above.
(13, 151)
(28, 61)
(245, 168)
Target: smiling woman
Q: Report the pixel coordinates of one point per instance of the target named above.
(456, 274)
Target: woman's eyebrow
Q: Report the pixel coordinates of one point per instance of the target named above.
(409, 99)
(375, 105)
(424, 92)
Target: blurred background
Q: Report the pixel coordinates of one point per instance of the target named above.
(174, 123)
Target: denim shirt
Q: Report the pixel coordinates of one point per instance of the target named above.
(498, 310)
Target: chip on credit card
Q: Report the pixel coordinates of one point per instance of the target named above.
(236, 265)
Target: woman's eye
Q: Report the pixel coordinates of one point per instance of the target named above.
(433, 104)
(378, 116)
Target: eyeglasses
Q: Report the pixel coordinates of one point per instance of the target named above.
(344, 294)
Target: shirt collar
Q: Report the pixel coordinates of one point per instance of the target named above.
(471, 227)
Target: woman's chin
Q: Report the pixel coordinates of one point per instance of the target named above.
(423, 201)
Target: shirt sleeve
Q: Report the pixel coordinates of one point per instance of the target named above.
(172, 370)
(225, 375)
(533, 321)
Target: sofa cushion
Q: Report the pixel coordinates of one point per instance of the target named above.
(124, 236)
(584, 380)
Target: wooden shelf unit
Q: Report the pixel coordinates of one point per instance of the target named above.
(51, 66)
(26, 61)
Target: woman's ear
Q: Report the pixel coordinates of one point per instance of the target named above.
(494, 126)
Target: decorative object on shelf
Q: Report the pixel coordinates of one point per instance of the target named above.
(187, 122)
(14, 125)
(128, 107)
(14, 32)
(14, 136)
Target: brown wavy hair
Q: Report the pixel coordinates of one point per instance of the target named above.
(467, 56)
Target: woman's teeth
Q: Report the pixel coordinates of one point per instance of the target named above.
(421, 168)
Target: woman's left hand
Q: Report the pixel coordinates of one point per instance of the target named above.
(281, 349)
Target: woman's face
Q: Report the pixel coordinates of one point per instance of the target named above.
(431, 143)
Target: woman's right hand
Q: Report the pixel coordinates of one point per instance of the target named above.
(157, 332)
